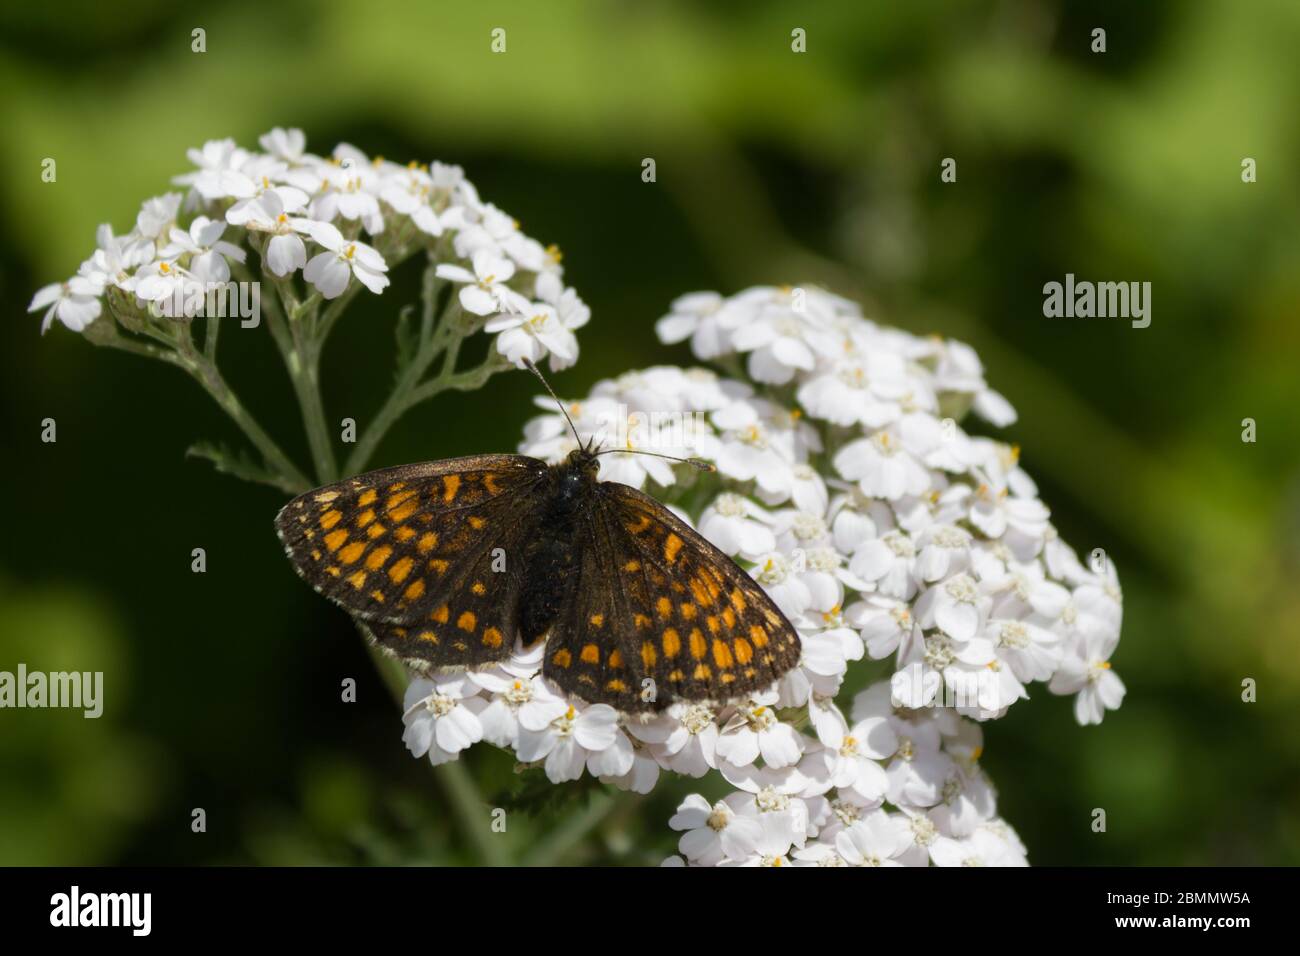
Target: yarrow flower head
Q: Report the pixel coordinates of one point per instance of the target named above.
(336, 219)
(888, 534)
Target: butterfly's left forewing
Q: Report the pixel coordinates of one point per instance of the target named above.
(399, 545)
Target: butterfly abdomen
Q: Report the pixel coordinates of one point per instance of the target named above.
(551, 557)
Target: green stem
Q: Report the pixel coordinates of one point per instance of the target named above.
(125, 344)
(180, 351)
(307, 386)
(472, 811)
(460, 382)
(206, 374)
(444, 336)
(211, 328)
(560, 841)
(394, 407)
(290, 323)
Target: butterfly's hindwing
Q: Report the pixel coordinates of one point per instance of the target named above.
(658, 601)
(588, 649)
(395, 546)
(475, 620)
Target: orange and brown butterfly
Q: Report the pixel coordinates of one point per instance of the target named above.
(448, 563)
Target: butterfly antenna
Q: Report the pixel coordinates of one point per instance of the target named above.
(700, 463)
(547, 385)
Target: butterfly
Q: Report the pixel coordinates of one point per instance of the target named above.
(449, 563)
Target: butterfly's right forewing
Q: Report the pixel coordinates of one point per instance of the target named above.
(660, 614)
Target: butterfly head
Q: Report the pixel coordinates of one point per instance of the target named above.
(582, 462)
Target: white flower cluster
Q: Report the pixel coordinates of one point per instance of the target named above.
(883, 530)
(308, 214)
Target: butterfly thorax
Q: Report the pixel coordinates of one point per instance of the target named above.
(551, 557)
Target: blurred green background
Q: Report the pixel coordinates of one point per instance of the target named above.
(222, 690)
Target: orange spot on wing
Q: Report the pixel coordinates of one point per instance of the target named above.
(402, 512)
(450, 488)
(403, 533)
(744, 650)
(738, 600)
(590, 654)
(699, 647)
(672, 544)
(702, 672)
(357, 579)
(648, 654)
(722, 654)
(615, 659)
(672, 642)
(476, 522)
(492, 637)
(367, 497)
(330, 518)
(335, 539)
(375, 560)
(400, 569)
(427, 542)
(701, 592)
(596, 620)
(632, 566)
(398, 497)
(758, 636)
(414, 591)
(365, 517)
(352, 552)
(562, 658)
(467, 621)
(616, 685)
(664, 607)
(479, 588)
(441, 615)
